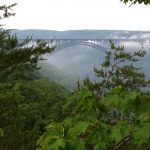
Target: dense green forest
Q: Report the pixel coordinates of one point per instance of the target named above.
(28, 102)
(36, 113)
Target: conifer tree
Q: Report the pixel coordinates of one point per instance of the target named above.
(24, 103)
(118, 69)
(16, 59)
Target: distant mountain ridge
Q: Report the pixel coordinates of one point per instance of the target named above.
(81, 34)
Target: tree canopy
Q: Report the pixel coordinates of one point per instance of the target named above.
(27, 103)
(146, 2)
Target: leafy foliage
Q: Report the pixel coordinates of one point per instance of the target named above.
(26, 108)
(87, 126)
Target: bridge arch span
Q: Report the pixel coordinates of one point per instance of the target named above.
(60, 44)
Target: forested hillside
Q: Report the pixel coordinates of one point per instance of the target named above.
(57, 75)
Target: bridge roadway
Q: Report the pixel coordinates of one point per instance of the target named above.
(64, 43)
(95, 43)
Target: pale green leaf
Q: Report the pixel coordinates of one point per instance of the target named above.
(77, 129)
(142, 135)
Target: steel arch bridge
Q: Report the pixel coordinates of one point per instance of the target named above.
(64, 43)
(60, 44)
(98, 44)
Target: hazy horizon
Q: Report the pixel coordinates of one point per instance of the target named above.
(83, 30)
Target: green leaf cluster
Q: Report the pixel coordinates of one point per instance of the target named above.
(108, 123)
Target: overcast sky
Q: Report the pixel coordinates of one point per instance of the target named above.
(78, 14)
